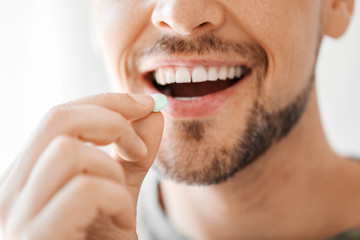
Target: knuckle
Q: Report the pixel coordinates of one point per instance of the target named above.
(111, 98)
(64, 144)
(56, 113)
(62, 149)
(107, 95)
(84, 184)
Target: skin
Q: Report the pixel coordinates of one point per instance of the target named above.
(59, 186)
(298, 189)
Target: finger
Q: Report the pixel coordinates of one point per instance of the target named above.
(65, 158)
(84, 199)
(131, 106)
(7, 193)
(90, 123)
(87, 122)
(150, 129)
(6, 174)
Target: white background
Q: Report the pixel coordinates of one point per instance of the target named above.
(46, 59)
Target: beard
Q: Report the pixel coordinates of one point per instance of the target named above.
(190, 154)
(198, 161)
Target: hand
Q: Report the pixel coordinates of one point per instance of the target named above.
(60, 185)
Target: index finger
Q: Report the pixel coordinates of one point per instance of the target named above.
(130, 106)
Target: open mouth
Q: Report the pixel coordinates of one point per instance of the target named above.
(190, 83)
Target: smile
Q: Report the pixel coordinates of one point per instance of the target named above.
(189, 83)
(195, 90)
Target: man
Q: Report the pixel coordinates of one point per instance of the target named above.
(241, 153)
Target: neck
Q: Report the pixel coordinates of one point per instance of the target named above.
(296, 190)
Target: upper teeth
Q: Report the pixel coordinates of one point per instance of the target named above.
(170, 75)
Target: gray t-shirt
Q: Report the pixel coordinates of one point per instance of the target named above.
(152, 223)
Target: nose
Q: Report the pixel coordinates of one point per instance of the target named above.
(185, 17)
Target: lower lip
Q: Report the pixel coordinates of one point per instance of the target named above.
(201, 107)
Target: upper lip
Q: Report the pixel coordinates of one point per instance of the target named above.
(151, 64)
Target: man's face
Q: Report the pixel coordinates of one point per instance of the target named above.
(266, 49)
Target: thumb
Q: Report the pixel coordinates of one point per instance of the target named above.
(150, 130)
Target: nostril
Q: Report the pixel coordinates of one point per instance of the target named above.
(203, 24)
(163, 24)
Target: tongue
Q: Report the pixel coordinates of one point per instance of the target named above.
(197, 89)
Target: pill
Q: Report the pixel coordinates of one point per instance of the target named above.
(160, 102)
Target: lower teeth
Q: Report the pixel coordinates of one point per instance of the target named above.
(186, 98)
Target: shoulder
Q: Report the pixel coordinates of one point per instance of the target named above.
(353, 169)
(351, 234)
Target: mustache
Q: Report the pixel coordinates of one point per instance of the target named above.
(208, 44)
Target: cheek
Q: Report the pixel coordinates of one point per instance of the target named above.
(290, 33)
(119, 23)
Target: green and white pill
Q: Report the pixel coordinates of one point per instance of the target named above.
(160, 102)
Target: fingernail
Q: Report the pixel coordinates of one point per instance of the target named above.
(140, 98)
(160, 102)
